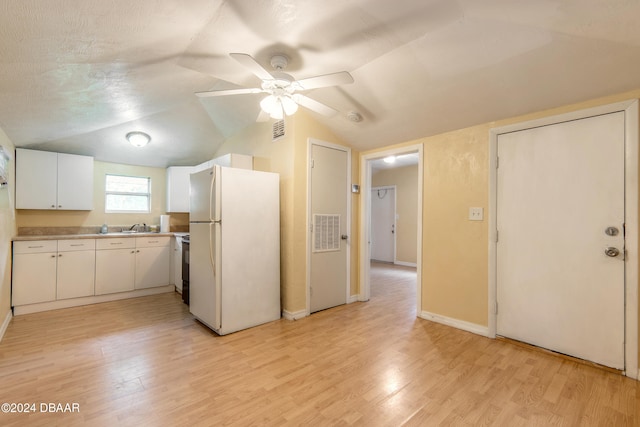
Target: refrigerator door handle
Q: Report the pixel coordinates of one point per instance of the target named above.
(211, 243)
(211, 188)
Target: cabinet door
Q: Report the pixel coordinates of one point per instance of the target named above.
(178, 188)
(34, 278)
(76, 274)
(115, 270)
(152, 266)
(36, 173)
(75, 182)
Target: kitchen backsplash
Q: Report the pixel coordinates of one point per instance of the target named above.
(61, 231)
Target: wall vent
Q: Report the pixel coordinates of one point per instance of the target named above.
(326, 233)
(278, 129)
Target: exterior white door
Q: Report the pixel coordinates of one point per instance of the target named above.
(329, 219)
(383, 224)
(560, 251)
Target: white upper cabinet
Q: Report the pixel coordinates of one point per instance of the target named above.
(178, 188)
(178, 178)
(75, 182)
(36, 179)
(232, 160)
(46, 180)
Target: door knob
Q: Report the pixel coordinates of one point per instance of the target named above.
(611, 251)
(344, 237)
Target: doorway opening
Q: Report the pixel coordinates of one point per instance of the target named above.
(401, 229)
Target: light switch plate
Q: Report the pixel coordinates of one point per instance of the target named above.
(476, 214)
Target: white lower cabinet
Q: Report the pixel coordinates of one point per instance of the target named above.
(153, 258)
(115, 265)
(34, 272)
(76, 268)
(55, 272)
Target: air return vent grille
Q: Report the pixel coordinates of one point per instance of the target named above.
(278, 129)
(326, 233)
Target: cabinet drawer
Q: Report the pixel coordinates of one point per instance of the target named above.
(150, 241)
(35, 246)
(76, 245)
(116, 243)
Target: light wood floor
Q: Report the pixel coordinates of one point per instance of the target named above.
(145, 361)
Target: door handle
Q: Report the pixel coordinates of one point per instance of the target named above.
(611, 251)
(344, 237)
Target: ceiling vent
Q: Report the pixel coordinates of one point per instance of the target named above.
(278, 129)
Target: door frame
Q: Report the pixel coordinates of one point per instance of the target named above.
(631, 110)
(395, 196)
(365, 219)
(310, 143)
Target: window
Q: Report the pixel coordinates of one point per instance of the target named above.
(127, 194)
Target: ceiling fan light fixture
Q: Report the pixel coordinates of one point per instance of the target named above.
(269, 103)
(277, 112)
(138, 139)
(289, 105)
(278, 106)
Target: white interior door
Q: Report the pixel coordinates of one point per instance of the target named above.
(559, 189)
(329, 218)
(383, 224)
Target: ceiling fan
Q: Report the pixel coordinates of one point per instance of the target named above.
(283, 91)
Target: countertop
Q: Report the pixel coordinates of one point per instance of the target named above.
(90, 236)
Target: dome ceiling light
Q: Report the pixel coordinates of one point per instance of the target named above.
(138, 139)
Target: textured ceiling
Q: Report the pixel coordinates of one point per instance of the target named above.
(77, 75)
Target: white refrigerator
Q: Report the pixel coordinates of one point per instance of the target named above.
(234, 263)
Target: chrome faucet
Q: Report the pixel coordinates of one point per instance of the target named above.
(134, 227)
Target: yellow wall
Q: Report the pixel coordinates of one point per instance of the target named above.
(455, 250)
(305, 128)
(97, 217)
(273, 156)
(406, 181)
(7, 229)
(288, 157)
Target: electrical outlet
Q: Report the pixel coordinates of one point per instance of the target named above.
(476, 214)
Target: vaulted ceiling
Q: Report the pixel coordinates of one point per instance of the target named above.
(77, 75)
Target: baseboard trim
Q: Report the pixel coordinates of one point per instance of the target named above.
(5, 324)
(456, 323)
(76, 302)
(353, 298)
(406, 264)
(294, 315)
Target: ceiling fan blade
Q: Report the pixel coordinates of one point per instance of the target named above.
(314, 105)
(207, 94)
(252, 65)
(325, 80)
